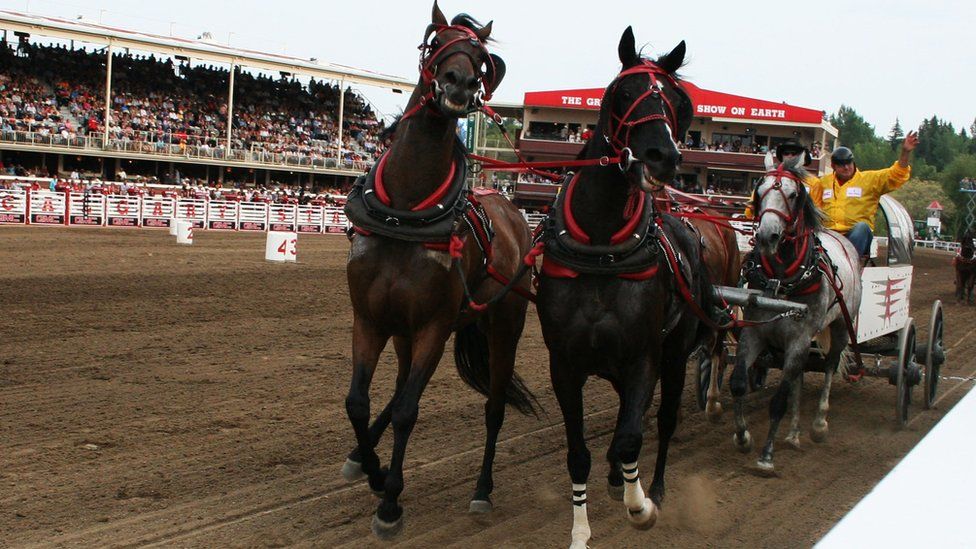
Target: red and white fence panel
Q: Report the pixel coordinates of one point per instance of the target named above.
(47, 208)
(86, 209)
(122, 211)
(192, 210)
(311, 219)
(222, 215)
(158, 212)
(283, 217)
(13, 206)
(253, 216)
(335, 219)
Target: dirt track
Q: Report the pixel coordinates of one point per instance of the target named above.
(193, 396)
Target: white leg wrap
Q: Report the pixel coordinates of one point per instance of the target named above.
(581, 526)
(633, 493)
(641, 511)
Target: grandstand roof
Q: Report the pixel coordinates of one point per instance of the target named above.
(87, 31)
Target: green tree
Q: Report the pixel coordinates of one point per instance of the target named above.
(895, 135)
(874, 155)
(938, 142)
(963, 165)
(851, 127)
(917, 194)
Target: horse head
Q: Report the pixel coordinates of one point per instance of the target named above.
(784, 208)
(457, 74)
(967, 244)
(644, 113)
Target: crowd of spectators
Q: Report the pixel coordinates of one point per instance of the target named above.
(967, 184)
(158, 104)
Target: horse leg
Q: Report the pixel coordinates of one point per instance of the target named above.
(672, 372)
(367, 344)
(352, 470)
(505, 330)
(568, 387)
(793, 439)
(838, 339)
(428, 346)
(792, 368)
(615, 476)
(748, 350)
(713, 407)
(628, 438)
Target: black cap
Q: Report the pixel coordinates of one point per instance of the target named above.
(792, 147)
(842, 155)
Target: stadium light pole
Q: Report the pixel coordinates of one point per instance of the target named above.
(108, 92)
(342, 105)
(230, 107)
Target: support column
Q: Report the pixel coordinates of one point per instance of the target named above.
(108, 92)
(342, 106)
(230, 108)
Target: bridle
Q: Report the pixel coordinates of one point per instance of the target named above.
(623, 124)
(433, 52)
(794, 214)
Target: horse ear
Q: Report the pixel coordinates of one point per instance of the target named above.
(672, 61)
(626, 49)
(770, 162)
(484, 32)
(437, 16)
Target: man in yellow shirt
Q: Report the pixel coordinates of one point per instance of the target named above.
(850, 196)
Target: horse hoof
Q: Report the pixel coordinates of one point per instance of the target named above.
(615, 492)
(386, 530)
(819, 433)
(579, 544)
(765, 468)
(793, 441)
(714, 411)
(352, 470)
(479, 506)
(645, 517)
(745, 445)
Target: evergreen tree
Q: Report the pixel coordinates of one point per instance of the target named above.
(852, 127)
(895, 135)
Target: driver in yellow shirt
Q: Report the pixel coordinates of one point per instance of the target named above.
(849, 197)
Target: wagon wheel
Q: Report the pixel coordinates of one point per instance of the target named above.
(903, 384)
(934, 354)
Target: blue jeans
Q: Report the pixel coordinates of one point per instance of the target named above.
(861, 236)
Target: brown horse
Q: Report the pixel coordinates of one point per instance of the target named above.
(422, 266)
(720, 252)
(965, 265)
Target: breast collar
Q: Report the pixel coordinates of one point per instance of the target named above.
(432, 220)
(632, 252)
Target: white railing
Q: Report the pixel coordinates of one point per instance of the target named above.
(952, 247)
(164, 146)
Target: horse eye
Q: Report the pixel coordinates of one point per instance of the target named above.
(792, 195)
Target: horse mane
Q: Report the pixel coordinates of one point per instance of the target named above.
(465, 20)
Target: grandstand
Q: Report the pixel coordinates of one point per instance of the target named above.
(78, 98)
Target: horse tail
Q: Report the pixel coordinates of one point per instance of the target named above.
(471, 358)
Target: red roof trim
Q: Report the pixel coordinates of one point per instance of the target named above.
(708, 104)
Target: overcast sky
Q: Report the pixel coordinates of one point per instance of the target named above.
(887, 59)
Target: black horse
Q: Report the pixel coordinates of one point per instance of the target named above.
(609, 300)
(965, 265)
(426, 261)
